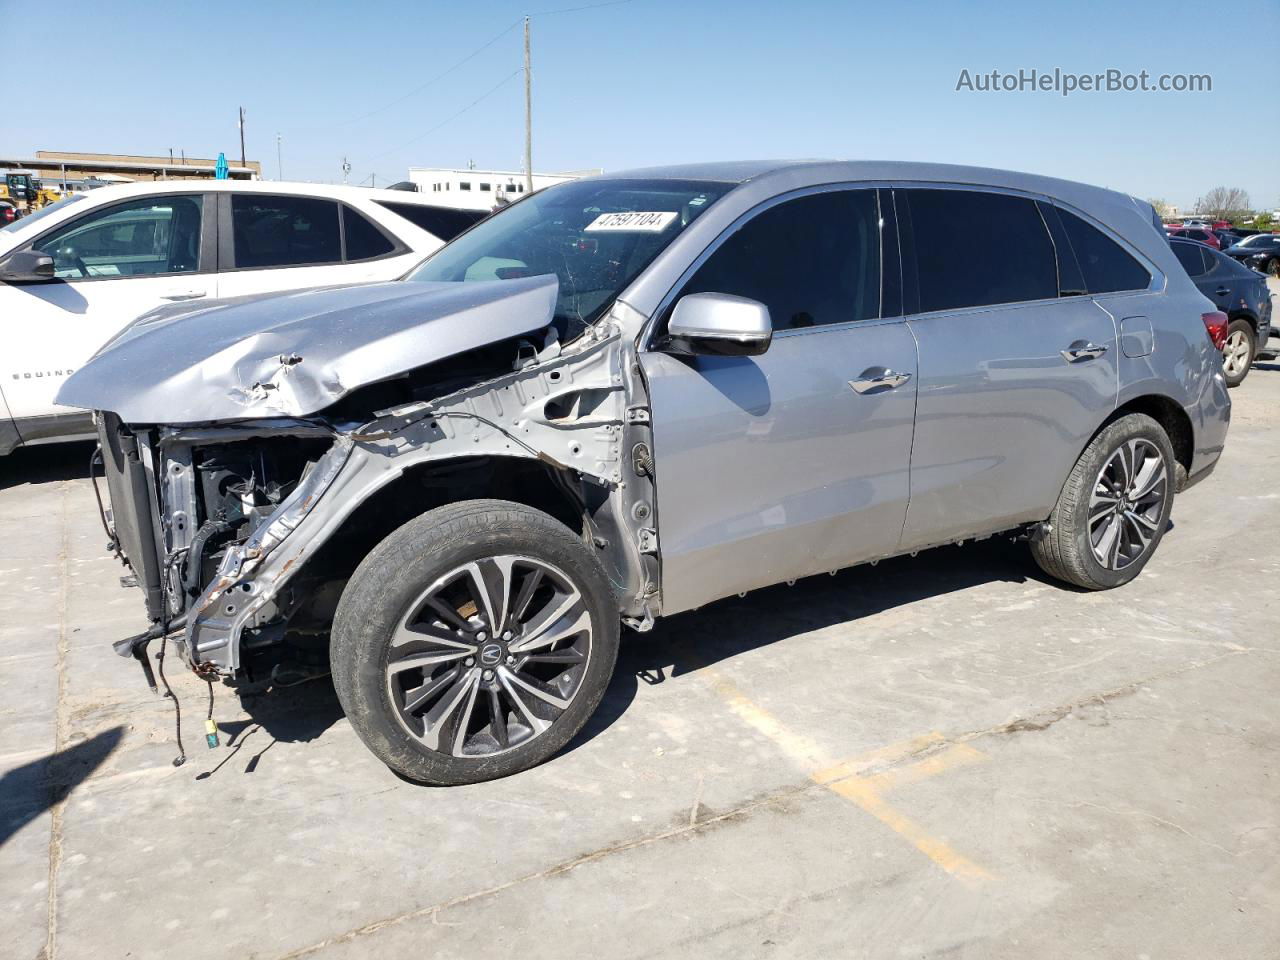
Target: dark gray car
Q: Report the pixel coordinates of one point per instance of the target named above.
(1238, 292)
(630, 395)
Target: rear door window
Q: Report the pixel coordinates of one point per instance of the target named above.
(1189, 257)
(1107, 266)
(280, 231)
(976, 249)
(813, 260)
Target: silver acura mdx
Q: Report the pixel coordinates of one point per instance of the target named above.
(630, 395)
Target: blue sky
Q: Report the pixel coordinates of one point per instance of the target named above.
(649, 82)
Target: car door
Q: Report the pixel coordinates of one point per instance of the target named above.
(1217, 283)
(275, 242)
(795, 461)
(111, 264)
(1017, 366)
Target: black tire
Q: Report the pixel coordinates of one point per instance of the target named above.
(1066, 551)
(1272, 267)
(1243, 329)
(392, 579)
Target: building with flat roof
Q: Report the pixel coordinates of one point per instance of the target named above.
(55, 166)
(482, 189)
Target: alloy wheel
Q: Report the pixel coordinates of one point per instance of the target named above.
(1235, 353)
(489, 656)
(1127, 503)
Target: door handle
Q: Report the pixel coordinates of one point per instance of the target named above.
(1222, 291)
(881, 378)
(185, 295)
(1082, 350)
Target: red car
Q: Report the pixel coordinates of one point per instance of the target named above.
(1196, 233)
(8, 213)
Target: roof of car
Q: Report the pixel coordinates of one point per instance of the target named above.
(791, 173)
(144, 188)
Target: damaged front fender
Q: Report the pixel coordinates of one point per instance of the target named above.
(574, 411)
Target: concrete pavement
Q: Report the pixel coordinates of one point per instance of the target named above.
(939, 755)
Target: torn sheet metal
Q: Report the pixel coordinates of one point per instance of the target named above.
(569, 411)
(294, 354)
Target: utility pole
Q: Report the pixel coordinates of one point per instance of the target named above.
(279, 161)
(242, 136)
(346, 169)
(528, 113)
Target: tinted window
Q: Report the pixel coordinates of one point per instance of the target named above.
(955, 269)
(1107, 266)
(156, 235)
(1189, 257)
(441, 222)
(284, 231)
(813, 260)
(595, 236)
(364, 240)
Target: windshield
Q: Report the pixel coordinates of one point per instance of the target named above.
(40, 214)
(594, 235)
(1258, 240)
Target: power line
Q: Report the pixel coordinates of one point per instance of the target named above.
(589, 6)
(484, 96)
(439, 76)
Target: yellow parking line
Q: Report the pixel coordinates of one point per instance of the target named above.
(846, 778)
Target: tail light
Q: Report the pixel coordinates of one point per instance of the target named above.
(1216, 324)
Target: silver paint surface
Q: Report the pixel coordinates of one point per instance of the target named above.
(294, 354)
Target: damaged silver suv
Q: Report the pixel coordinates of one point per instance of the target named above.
(631, 395)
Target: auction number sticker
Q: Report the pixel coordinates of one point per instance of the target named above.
(631, 222)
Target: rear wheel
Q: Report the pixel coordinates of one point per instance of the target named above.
(473, 642)
(1272, 267)
(1113, 509)
(1237, 352)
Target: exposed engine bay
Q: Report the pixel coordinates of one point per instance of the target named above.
(243, 534)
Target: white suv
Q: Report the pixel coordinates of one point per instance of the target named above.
(74, 274)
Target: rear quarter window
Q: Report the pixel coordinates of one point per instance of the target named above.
(1107, 266)
(442, 222)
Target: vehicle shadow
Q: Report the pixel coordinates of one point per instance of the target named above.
(31, 789)
(688, 642)
(46, 464)
(679, 645)
(294, 714)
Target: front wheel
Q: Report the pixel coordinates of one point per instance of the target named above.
(1237, 352)
(1113, 509)
(473, 642)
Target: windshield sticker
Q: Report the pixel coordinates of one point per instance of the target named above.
(631, 222)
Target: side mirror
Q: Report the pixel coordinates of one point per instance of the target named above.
(719, 324)
(26, 266)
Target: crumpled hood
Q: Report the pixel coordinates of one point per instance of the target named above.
(294, 354)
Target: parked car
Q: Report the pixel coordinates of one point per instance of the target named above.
(1238, 292)
(74, 273)
(1227, 238)
(8, 213)
(627, 396)
(1261, 251)
(1199, 234)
